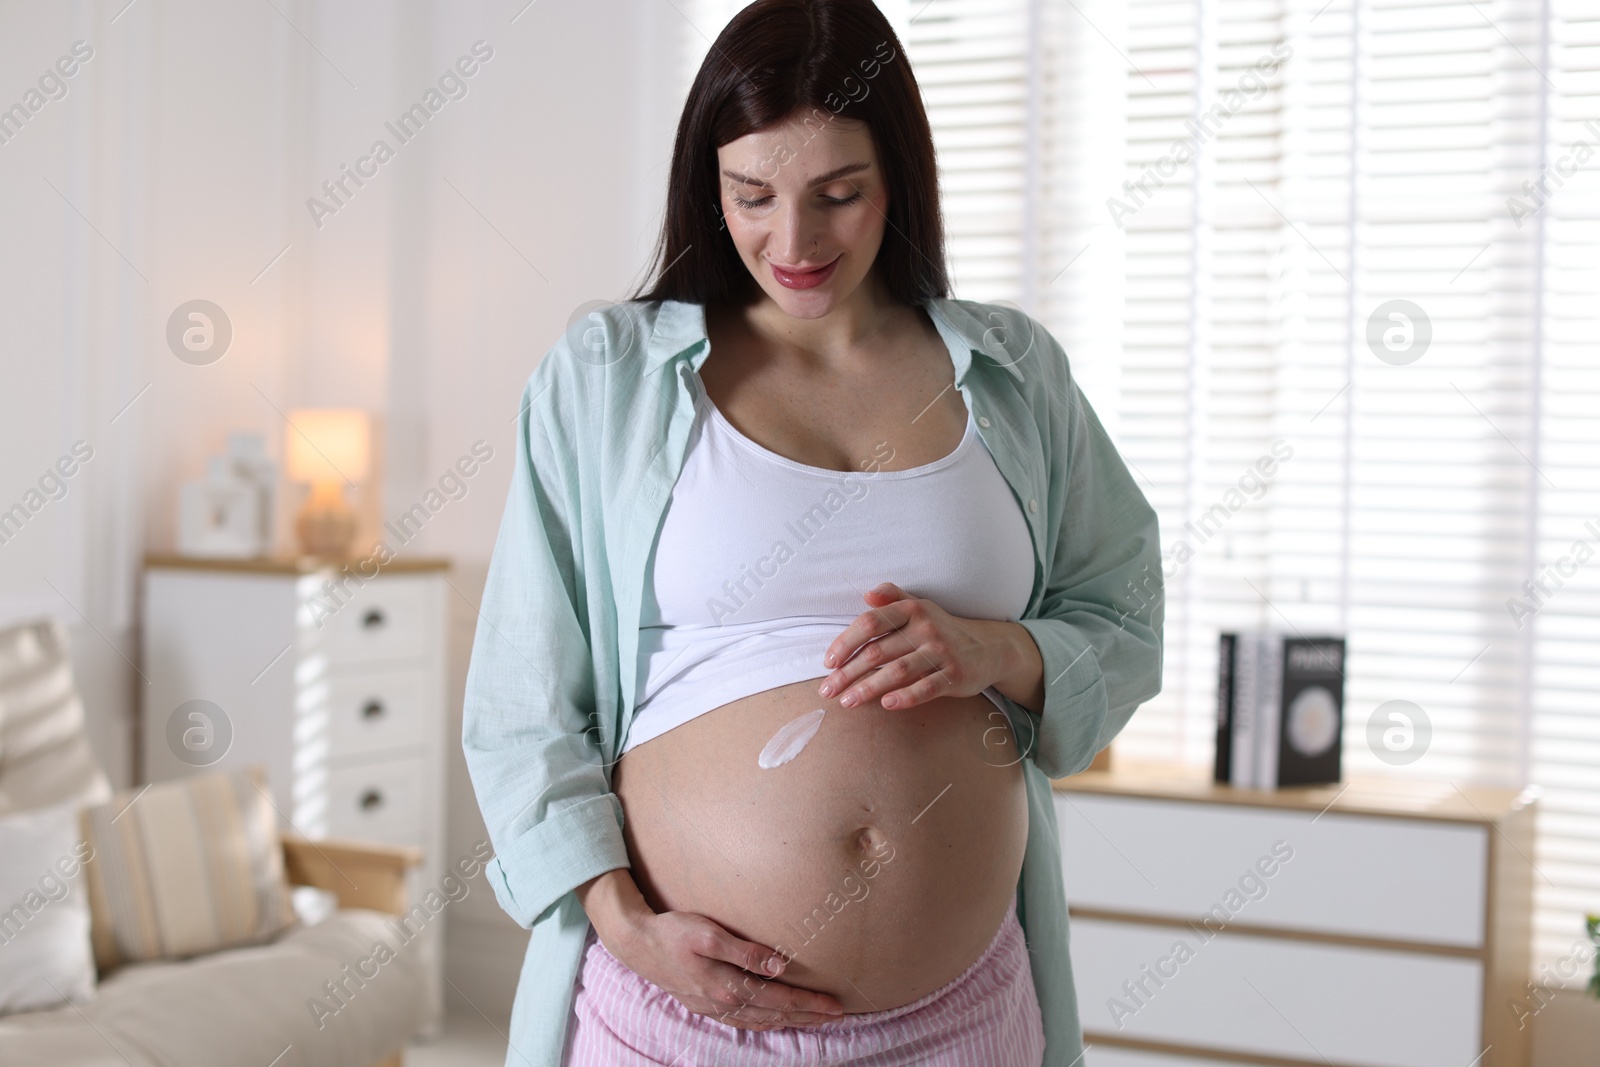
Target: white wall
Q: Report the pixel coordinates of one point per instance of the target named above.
(178, 166)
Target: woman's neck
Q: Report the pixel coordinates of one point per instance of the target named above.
(861, 321)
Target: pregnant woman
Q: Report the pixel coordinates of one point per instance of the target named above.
(810, 579)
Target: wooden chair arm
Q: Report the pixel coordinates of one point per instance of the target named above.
(360, 873)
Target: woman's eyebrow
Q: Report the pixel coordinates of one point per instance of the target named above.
(832, 175)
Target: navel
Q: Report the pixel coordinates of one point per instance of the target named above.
(871, 839)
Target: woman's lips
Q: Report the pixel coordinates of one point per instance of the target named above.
(803, 279)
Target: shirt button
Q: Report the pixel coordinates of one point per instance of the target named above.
(983, 422)
(1033, 505)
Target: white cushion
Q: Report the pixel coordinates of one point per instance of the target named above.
(245, 1005)
(45, 954)
(44, 751)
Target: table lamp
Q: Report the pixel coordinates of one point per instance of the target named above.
(327, 447)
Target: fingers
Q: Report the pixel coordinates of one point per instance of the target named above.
(873, 622)
(868, 658)
(928, 687)
(744, 998)
(910, 680)
(744, 995)
(748, 977)
(712, 972)
(751, 1002)
(886, 592)
(863, 629)
(718, 944)
(782, 1024)
(787, 1000)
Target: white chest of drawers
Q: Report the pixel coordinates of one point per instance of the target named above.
(1381, 923)
(339, 692)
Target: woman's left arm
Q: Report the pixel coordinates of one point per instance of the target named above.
(1099, 625)
(1091, 654)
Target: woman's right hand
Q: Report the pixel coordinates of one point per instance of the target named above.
(711, 972)
(704, 967)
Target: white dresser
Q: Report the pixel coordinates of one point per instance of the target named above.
(341, 695)
(1378, 923)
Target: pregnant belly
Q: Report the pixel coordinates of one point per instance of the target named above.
(881, 859)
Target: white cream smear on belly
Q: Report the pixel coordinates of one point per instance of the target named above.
(790, 739)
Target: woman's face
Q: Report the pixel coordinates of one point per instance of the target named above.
(806, 206)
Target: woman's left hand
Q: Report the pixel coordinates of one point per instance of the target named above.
(908, 651)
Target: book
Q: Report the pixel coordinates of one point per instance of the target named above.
(1226, 646)
(1269, 695)
(1246, 682)
(1280, 702)
(1310, 710)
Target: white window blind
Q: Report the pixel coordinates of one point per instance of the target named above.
(1209, 202)
(1561, 644)
(971, 61)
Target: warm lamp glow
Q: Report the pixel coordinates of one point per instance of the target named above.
(327, 445)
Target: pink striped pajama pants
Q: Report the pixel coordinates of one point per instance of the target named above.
(986, 1017)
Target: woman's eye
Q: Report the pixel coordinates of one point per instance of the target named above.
(834, 201)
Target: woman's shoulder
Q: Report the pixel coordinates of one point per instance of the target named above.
(601, 367)
(1007, 335)
(612, 334)
(607, 344)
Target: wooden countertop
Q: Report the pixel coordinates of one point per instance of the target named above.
(1414, 798)
(297, 564)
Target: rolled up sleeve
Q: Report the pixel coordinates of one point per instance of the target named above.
(1099, 625)
(530, 731)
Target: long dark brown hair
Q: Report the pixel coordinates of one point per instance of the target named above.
(820, 61)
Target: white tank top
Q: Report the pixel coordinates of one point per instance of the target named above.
(762, 561)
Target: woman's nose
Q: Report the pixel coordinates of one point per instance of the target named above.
(793, 244)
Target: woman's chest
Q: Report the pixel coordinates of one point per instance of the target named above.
(753, 536)
(890, 409)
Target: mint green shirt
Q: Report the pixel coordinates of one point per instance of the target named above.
(601, 438)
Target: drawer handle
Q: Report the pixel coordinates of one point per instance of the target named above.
(372, 709)
(373, 619)
(371, 800)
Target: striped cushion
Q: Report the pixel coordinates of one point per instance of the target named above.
(185, 867)
(44, 750)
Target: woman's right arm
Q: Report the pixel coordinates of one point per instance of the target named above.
(533, 742)
(529, 721)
